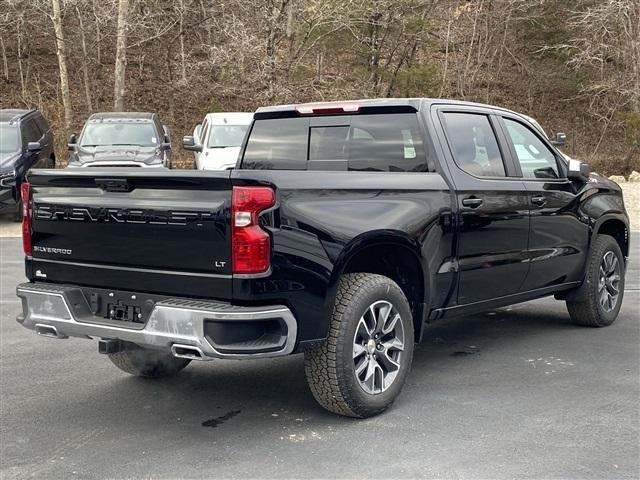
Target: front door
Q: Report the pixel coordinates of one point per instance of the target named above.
(493, 208)
(559, 235)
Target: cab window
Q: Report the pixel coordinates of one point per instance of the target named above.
(535, 158)
(473, 144)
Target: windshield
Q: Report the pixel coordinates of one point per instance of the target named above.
(9, 139)
(125, 133)
(226, 135)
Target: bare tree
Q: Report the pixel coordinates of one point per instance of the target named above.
(121, 56)
(62, 64)
(85, 61)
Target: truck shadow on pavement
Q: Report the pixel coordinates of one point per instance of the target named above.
(271, 396)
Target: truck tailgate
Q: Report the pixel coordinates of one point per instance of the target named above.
(152, 231)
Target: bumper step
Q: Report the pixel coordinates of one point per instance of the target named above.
(182, 326)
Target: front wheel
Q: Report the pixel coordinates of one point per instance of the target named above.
(361, 367)
(145, 362)
(605, 285)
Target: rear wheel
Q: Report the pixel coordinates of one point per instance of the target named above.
(363, 364)
(145, 362)
(605, 285)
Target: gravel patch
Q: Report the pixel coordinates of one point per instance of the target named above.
(631, 192)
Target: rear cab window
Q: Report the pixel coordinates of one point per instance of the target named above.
(389, 142)
(473, 143)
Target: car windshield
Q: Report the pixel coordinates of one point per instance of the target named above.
(221, 136)
(9, 139)
(142, 134)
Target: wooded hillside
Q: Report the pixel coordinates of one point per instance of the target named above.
(574, 65)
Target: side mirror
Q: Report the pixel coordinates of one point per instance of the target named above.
(189, 143)
(34, 147)
(166, 138)
(578, 171)
(165, 146)
(561, 139)
(71, 144)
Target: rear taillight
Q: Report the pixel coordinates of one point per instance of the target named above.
(251, 245)
(25, 194)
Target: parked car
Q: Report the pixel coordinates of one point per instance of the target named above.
(26, 141)
(345, 229)
(217, 140)
(121, 139)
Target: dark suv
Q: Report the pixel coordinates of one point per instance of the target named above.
(121, 139)
(26, 141)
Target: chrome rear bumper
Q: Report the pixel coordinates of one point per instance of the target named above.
(177, 325)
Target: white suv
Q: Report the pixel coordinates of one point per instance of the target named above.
(217, 140)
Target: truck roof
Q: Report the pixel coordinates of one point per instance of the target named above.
(107, 116)
(231, 118)
(402, 104)
(11, 115)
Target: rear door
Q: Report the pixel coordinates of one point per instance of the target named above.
(559, 234)
(159, 231)
(493, 208)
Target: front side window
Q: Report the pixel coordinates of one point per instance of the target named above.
(221, 136)
(474, 144)
(9, 139)
(202, 132)
(30, 131)
(535, 158)
(119, 133)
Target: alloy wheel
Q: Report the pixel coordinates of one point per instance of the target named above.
(378, 345)
(609, 281)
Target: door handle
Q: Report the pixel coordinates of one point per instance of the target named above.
(472, 202)
(539, 200)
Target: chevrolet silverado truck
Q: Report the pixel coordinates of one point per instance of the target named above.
(344, 229)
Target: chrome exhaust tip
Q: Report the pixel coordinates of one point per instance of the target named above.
(187, 351)
(48, 331)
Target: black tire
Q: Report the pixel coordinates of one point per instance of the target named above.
(591, 312)
(331, 368)
(145, 362)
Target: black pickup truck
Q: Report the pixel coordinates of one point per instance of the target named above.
(343, 231)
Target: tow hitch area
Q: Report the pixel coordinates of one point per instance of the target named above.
(106, 346)
(124, 313)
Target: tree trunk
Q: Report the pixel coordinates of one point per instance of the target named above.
(5, 64)
(121, 56)
(183, 57)
(62, 65)
(85, 61)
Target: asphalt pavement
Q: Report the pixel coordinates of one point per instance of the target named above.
(514, 392)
